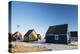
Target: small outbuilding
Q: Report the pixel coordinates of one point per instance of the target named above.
(31, 35)
(58, 34)
(74, 35)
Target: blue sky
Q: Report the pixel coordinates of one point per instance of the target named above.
(40, 16)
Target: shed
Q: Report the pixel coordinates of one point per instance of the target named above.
(74, 35)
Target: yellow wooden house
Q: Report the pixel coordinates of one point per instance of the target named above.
(31, 35)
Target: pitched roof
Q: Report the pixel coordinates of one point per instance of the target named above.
(16, 36)
(29, 32)
(16, 33)
(58, 29)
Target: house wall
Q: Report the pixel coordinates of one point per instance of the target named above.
(74, 38)
(33, 36)
(26, 38)
(51, 39)
(68, 38)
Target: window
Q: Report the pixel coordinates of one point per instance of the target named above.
(56, 37)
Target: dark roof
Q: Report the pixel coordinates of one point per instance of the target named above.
(16, 33)
(74, 33)
(38, 35)
(15, 37)
(58, 29)
(29, 32)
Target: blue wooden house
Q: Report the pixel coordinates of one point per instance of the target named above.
(58, 34)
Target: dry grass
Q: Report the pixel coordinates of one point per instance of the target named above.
(21, 49)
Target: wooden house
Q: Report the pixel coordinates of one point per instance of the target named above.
(31, 35)
(17, 36)
(58, 34)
